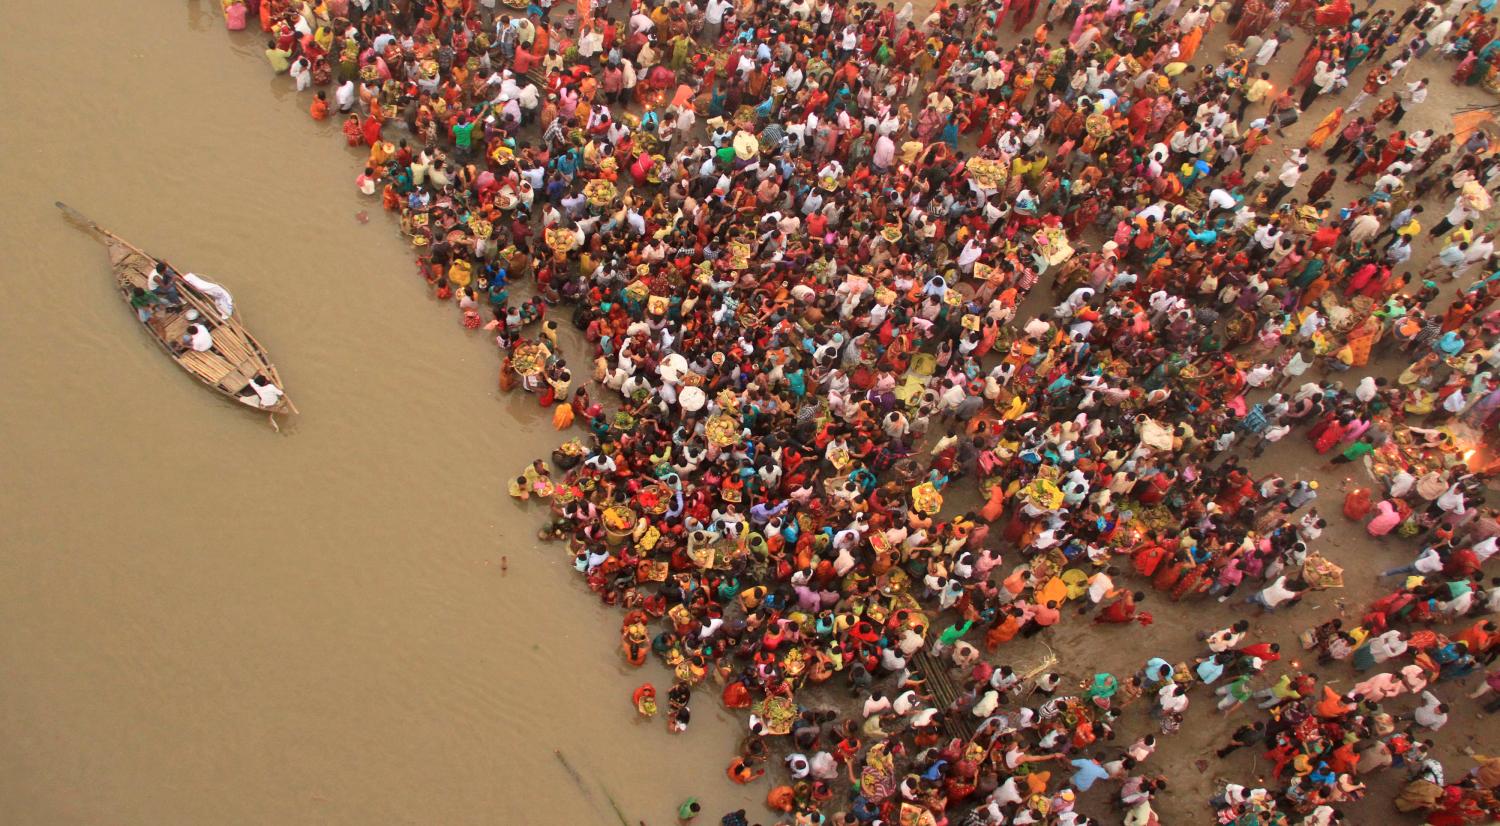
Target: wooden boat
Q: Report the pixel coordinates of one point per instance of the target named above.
(235, 358)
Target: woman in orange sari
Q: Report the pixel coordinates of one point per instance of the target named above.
(1327, 128)
(1362, 338)
(1188, 45)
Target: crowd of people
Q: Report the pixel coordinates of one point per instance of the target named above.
(798, 238)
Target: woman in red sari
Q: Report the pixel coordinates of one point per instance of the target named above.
(1024, 11)
(1254, 18)
(1188, 583)
(1122, 610)
(1148, 558)
(1335, 15)
(1331, 435)
(1169, 573)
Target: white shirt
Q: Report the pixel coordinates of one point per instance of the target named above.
(199, 338)
(268, 394)
(1427, 714)
(1276, 593)
(1221, 199)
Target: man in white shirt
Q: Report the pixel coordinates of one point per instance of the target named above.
(1286, 180)
(196, 338)
(1429, 561)
(267, 394)
(1411, 96)
(1223, 199)
(344, 96)
(1432, 713)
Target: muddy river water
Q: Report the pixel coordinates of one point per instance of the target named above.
(202, 621)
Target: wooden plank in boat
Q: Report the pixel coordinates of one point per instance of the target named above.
(209, 365)
(237, 379)
(176, 329)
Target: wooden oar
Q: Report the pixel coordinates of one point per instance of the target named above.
(79, 218)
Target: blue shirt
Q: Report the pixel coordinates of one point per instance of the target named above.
(1158, 669)
(1089, 772)
(1210, 670)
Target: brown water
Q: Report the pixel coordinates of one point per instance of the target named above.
(202, 621)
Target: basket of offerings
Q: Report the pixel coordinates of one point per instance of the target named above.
(988, 173)
(568, 454)
(880, 544)
(528, 358)
(1098, 126)
(654, 498)
(561, 239)
(926, 499)
(1052, 244)
(480, 227)
(517, 4)
(1475, 197)
(744, 117)
(794, 663)
(778, 713)
(739, 255)
(1321, 574)
(648, 539)
(723, 430)
(600, 192)
(1156, 518)
(619, 522)
(829, 183)
(891, 233)
(702, 555)
(1042, 493)
(567, 494)
(623, 422)
(653, 175)
(506, 199)
(654, 571)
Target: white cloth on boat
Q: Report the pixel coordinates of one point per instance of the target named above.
(223, 301)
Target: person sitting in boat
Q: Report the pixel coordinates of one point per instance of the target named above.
(162, 283)
(144, 303)
(196, 338)
(266, 394)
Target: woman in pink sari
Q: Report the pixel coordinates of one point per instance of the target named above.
(1387, 516)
